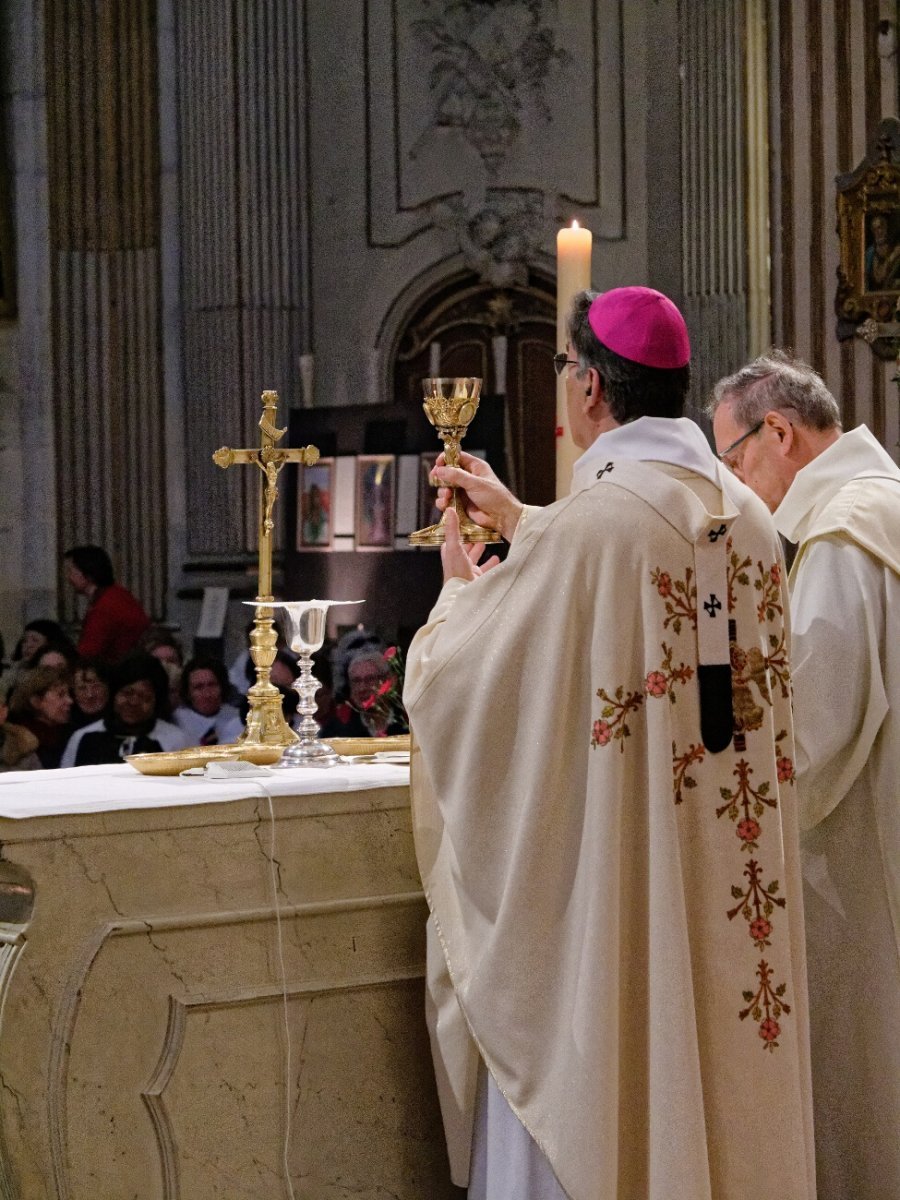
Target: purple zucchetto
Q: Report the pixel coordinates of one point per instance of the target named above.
(641, 325)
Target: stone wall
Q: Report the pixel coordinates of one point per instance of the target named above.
(836, 77)
(297, 177)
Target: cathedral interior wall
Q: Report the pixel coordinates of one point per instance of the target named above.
(274, 186)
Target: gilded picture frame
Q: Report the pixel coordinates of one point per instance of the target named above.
(315, 508)
(867, 303)
(375, 496)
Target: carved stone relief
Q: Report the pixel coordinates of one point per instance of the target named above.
(490, 65)
(474, 108)
(501, 237)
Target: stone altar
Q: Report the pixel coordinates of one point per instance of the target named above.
(143, 1050)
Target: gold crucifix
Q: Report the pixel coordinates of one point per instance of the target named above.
(265, 720)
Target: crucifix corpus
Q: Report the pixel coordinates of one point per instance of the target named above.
(265, 720)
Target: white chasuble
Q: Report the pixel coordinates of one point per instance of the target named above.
(618, 908)
(844, 510)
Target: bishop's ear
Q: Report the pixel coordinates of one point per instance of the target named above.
(594, 403)
(594, 384)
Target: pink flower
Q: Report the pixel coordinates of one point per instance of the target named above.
(390, 652)
(785, 770)
(664, 584)
(343, 712)
(601, 733)
(748, 830)
(769, 1029)
(384, 688)
(760, 929)
(655, 684)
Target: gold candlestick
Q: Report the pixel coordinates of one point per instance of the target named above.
(265, 720)
(450, 405)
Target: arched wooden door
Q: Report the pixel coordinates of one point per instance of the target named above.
(507, 336)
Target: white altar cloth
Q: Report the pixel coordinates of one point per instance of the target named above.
(26, 794)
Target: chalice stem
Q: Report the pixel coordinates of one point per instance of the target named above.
(459, 505)
(306, 686)
(451, 459)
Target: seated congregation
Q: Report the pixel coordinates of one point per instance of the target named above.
(124, 687)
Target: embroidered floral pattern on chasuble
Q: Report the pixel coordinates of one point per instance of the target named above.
(755, 675)
(606, 831)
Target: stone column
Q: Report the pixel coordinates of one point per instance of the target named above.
(104, 259)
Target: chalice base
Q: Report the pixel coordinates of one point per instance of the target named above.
(469, 532)
(314, 754)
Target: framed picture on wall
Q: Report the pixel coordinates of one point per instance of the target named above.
(375, 491)
(407, 503)
(881, 258)
(315, 525)
(868, 205)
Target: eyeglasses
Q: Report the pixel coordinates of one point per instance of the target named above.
(560, 362)
(723, 457)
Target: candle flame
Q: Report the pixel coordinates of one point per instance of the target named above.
(575, 225)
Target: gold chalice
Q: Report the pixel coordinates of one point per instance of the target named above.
(450, 405)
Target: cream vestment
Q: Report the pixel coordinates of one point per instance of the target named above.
(617, 918)
(844, 510)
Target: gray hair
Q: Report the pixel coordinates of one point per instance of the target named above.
(579, 332)
(368, 656)
(350, 645)
(773, 381)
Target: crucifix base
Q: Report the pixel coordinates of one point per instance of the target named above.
(266, 725)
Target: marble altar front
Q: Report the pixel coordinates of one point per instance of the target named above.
(148, 1049)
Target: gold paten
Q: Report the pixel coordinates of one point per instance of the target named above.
(450, 405)
(266, 731)
(361, 747)
(173, 762)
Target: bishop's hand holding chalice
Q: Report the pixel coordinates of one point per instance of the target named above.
(451, 404)
(473, 485)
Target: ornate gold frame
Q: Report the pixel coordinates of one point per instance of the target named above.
(871, 192)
